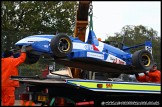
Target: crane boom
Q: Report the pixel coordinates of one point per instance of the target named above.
(80, 27)
(82, 20)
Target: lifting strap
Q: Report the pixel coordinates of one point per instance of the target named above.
(91, 16)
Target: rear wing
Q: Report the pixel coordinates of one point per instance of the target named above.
(147, 44)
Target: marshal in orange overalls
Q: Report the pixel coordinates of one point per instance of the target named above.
(9, 68)
(154, 77)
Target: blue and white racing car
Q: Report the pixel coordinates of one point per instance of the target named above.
(92, 55)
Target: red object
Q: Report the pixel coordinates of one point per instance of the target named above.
(154, 76)
(85, 103)
(24, 96)
(94, 47)
(45, 72)
(60, 102)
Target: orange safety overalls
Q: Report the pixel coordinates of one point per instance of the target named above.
(9, 68)
(154, 77)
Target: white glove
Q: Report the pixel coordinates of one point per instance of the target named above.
(23, 49)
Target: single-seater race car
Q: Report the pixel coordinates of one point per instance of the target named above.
(92, 55)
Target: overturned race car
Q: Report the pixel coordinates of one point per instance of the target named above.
(92, 55)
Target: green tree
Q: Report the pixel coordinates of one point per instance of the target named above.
(134, 35)
(23, 18)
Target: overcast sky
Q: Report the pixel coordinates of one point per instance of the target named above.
(110, 16)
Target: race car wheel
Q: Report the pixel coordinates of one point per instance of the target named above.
(143, 60)
(61, 45)
(31, 58)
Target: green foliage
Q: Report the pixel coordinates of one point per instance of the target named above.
(30, 70)
(38, 68)
(134, 35)
(23, 18)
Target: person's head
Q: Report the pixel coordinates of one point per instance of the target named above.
(7, 53)
(154, 67)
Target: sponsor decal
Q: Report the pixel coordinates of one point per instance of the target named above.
(148, 49)
(95, 55)
(82, 46)
(116, 60)
(109, 85)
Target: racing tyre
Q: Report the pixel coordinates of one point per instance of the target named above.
(142, 60)
(31, 58)
(61, 45)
